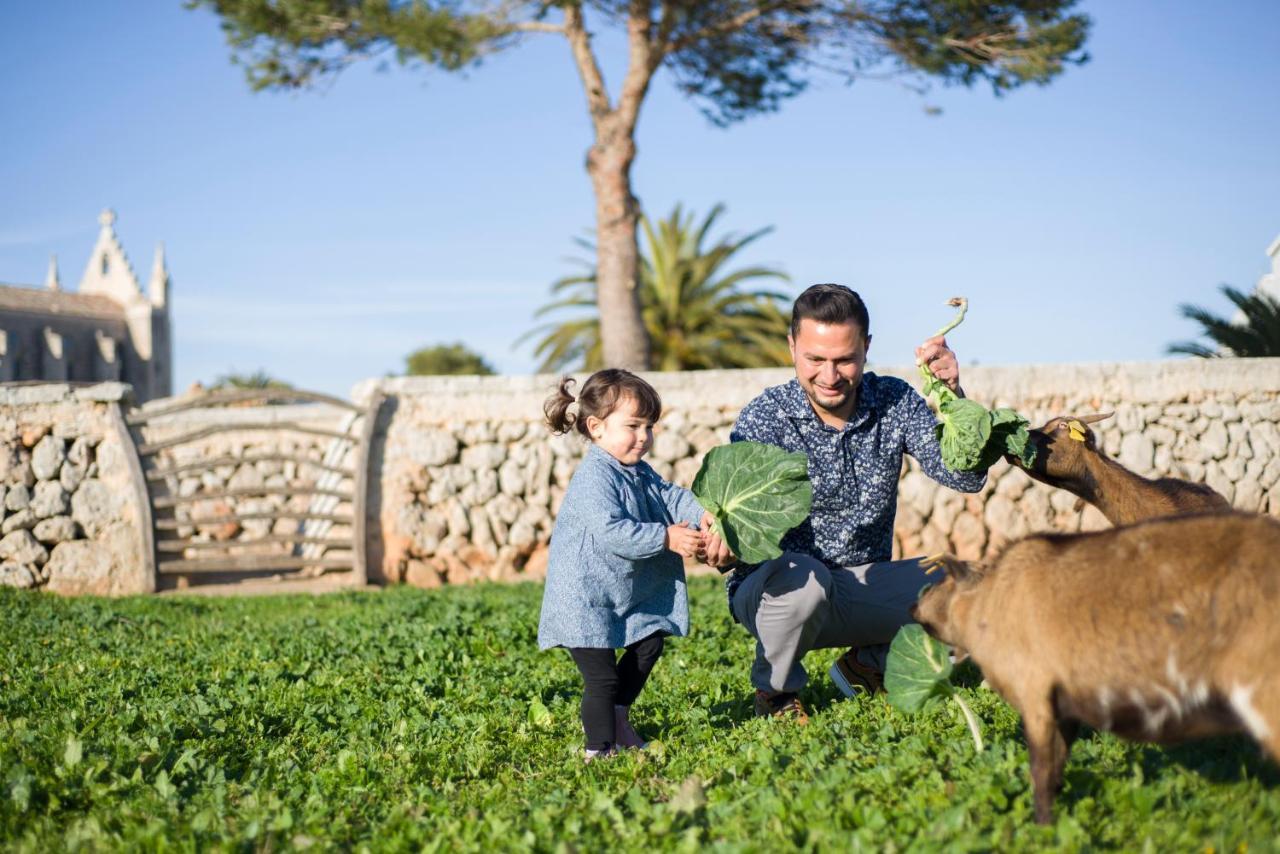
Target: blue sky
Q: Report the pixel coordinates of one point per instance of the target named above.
(324, 235)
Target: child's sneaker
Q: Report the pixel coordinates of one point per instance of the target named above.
(589, 755)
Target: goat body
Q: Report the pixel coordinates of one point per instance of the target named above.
(1160, 631)
(1068, 457)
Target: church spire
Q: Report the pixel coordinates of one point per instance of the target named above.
(158, 288)
(51, 280)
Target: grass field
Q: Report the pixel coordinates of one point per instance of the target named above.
(404, 720)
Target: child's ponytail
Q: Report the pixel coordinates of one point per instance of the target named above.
(556, 408)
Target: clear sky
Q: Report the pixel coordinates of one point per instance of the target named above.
(324, 235)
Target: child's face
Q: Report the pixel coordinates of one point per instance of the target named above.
(623, 434)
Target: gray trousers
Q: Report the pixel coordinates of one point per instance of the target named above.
(794, 604)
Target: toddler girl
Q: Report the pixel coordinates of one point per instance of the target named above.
(615, 579)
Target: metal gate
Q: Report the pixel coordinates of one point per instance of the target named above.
(259, 484)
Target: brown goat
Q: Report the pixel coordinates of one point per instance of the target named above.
(1067, 456)
(1161, 631)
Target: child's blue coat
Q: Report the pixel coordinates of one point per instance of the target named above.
(610, 581)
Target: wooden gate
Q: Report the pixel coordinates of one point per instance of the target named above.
(256, 484)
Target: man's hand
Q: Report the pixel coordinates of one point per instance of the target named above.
(941, 361)
(684, 541)
(715, 552)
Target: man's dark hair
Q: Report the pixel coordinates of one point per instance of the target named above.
(830, 303)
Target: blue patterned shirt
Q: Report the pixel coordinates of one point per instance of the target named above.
(854, 470)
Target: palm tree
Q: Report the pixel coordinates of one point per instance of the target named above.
(1258, 335)
(694, 311)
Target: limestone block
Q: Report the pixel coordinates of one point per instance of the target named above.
(1192, 471)
(3, 494)
(1264, 438)
(1129, 418)
(109, 457)
(55, 530)
(17, 575)
(909, 527)
(71, 475)
(1233, 468)
(933, 540)
(1218, 480)
(481, 534)
(511, 478)
(1230, 413)
(94, 505)
(1093, 520)
(1036, 510)
(1137, 452)
(1249, 496)
(18, 497)
(74, 423)
(1163, 463)
(669, 446)
(8, 460)
(21, 472)
(520, 453)
(537, 472)
(1238, 445)
(1003, 518)
(486, 486)
(479, 433)
(1161, 435)
(1011, 483)
(188, 487)
(512, 431)
(429, 446)
(568, 445)
(32, 434)
(50, 499)
(456, 514)
(486, 456)
(419, 573)
(22, 547)
(968, 537)
(246, 477)
(47, 457)
(702, 438)
(1270, 474)
(24, 519)
(80, 567)
(1214, 440)
(504, 507)
(917, 490)
(562, 470)
(947, 506)
(684, 471)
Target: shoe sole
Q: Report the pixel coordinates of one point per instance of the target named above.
(849, 690)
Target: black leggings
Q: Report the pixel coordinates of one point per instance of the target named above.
(610, 681)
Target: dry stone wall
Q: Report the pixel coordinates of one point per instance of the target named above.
(471, 479)
(72, 521)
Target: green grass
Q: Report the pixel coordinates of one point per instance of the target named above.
(404, 720)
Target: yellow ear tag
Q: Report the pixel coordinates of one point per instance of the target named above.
(1077, 430)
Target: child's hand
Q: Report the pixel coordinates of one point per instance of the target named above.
(683, 541)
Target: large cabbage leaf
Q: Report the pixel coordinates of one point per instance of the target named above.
(756, 493)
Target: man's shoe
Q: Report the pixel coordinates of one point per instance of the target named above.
(782, 704)
(853, 677)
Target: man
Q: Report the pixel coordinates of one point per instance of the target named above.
(834, 585)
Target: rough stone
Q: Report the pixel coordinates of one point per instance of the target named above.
(31, 436)
(917, 490)
(71, 476)
(419, 573)
(50, 499)
(669, 446)
(479, 433)
(55, 530)
(1249, 496)
(522, 536)
(1214, 441)
(430, 447)
(21, 547)
(1218, 480)
(17, 575)
(486, 456)
(80, 567)
(94, 506)
(512, 431)
(47, 457)
(109, 457)
(511, 479)
(22, 520)
(18, 497)
(1137, 453)
(968, 537)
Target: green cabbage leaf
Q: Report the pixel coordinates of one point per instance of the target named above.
(756, 493)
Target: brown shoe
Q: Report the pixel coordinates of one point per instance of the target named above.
(781, 704)
(853, 677)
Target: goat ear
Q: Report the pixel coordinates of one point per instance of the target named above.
(1094, 419)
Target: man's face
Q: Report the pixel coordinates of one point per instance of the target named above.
(829, 358)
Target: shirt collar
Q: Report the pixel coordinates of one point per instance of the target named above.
(795, 404)
(594, 450)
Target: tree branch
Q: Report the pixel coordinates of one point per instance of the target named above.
(588, 68)
(537, 27)
(642, 61)
(728, 25)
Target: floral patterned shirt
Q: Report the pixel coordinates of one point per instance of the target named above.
(854, 470)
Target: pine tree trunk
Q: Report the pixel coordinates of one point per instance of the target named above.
(625, 341)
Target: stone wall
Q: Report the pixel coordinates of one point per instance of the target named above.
(73, 521)
(471, 480)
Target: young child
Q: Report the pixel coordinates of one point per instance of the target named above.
(615, 579)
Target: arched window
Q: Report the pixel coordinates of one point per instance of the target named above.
(106, 263)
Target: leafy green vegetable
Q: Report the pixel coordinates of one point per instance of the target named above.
(971, 437)
(756, 493)
(919, 669)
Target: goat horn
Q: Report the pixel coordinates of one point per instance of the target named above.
(1094, 419)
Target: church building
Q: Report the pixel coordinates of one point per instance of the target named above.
(106, 329)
